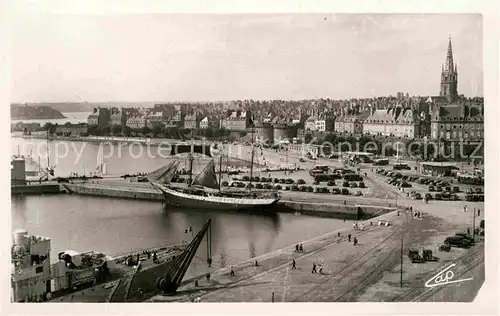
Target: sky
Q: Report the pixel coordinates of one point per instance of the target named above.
(168, 57)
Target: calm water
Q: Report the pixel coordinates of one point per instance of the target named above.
(72, 117)
(115, 226)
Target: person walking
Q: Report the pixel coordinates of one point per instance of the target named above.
(313, 268)
(297, 248)
(349, 237)
(478, 212)
(355, 241)
(465, 208)
(231, 273)
(294, 267)
(301, 249)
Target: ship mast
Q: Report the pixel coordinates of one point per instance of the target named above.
(251, 163)
(220, 169)
(191, 158)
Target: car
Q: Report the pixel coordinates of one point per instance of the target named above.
(417, 196)
(432, 188)
(456, 189)
(345, 184)
(428, 196)
(344, 191)
(358, 193)
(439, 189)
(438, 197)
(447, 189)
(458, 241)
(336, 191)
(405, 184)
(353, 185)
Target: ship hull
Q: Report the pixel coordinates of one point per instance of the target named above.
(189, 201)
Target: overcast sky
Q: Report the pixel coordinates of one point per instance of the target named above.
(226, 57)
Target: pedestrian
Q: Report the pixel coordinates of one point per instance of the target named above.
(355, 241)
(256, 263)
(297, 248)
(231, 273)
(294, 267)
(338, 234)
(320, 269)
(301, 248)
(468, 231)
(349, 237)
(465, 208)
(478, 212)
(313, 268)
(208, 276)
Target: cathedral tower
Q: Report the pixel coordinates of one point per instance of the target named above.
(449, 77)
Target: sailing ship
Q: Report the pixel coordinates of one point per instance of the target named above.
(204, 192)
(101, 164)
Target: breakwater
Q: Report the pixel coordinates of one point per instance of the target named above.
(334, 209)
(35, 189)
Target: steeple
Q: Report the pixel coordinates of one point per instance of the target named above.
(449, 66)
(449, 76)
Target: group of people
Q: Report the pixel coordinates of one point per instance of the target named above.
(299, 248)
(358, 226)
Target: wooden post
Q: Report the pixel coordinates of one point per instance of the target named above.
(401, 267)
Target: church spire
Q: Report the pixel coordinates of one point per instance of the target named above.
(449, 66)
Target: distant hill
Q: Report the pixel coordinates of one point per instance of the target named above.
(89, 106)
(36, 112)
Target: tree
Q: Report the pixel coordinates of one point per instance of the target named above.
(116, 129)
(145, 130)
(50, 128)
(126, 131)
(157, 129)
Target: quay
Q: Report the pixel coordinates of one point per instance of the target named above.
(369, 271)
(35, 189)
(300, 203)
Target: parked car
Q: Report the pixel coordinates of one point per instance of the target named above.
(438, 197)
(353, 185)
(432, 188)
(456, 189)
(458, 241)
(336, 191)
(417, 196)
(362, 185)
(344, 191)
(439, 189)
(428, 196)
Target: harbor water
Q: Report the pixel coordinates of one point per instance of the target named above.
(115, 226)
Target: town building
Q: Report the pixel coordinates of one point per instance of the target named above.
(457, 122)
(93, 119)
(116, 116)
(210, 122)
(237, 121)
(153, 118)
(396, 121)
(191, 121)
(71, 130)
(310, 123)
(325, 124)
(350, 124)
(136, 122)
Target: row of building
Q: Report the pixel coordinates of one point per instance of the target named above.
(447, 116)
